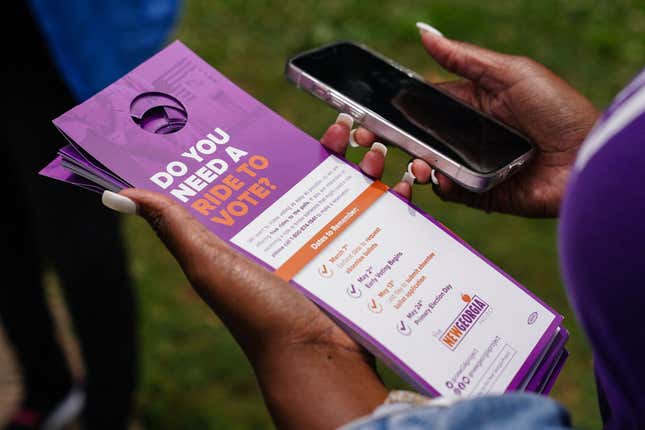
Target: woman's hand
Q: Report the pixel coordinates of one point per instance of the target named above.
(527, 96)
(312, 374)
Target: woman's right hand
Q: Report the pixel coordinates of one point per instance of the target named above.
(526, 96)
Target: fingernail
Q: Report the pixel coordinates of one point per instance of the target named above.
(344, 118)
(409, 178)
(410, 169)
(352, 141)
(427, 28)
(379, 147)
(433, 176)
(119, 203)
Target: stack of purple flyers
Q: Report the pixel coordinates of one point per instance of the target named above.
(411, 291)
(548, 368)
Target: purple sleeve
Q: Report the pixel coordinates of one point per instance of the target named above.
(602, 247)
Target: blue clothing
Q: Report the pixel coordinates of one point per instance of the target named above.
(509, 412)
(95, 42)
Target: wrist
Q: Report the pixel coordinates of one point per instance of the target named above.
(317, 385)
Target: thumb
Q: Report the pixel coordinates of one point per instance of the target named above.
(233, 286)
(186, 238)
(491, 70)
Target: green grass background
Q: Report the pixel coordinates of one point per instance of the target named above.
(193, 374)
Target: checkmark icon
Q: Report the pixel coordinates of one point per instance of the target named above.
(325, 271)
(375, 306)
(403, 328)
(354, 292)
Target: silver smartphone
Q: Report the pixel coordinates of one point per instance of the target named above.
(396, 104)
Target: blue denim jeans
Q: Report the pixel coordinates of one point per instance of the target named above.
(512, 411)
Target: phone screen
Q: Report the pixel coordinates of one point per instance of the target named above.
(445, 124)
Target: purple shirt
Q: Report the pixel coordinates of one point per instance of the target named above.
(602, 248)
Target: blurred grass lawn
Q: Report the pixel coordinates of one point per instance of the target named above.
(193, 374)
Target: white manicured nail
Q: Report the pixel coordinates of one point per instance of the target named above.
(410, 169)
(427, 28)
(119, 203)
(352, 141)
(408, 177)
(344, 118)
(433, 176)
(379, 147)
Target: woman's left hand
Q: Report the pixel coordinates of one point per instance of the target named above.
(312, 374)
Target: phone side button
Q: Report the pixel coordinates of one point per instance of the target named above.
(515, 166)
(357, 114)
(320, 92)
(338, 104)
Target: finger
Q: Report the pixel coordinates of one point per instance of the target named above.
(404, 188)
(336, 137)
(186, 238)
(207, 261)
(445, 188)
(461, 89)
(373, 161)
(233, 286)
(487, 68)
(362, 137)
(467, 92)
(420, 170)
(449, 191)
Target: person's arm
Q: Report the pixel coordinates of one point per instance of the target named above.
(312, 374)
(318, 386)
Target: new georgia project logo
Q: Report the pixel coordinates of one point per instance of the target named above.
(465, 320)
